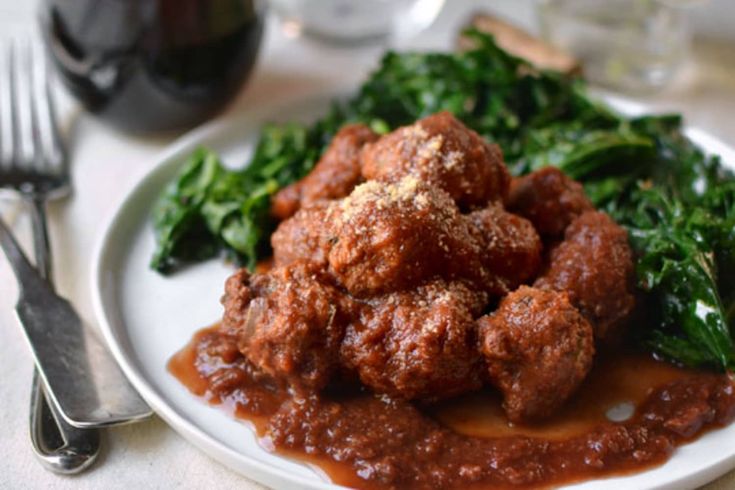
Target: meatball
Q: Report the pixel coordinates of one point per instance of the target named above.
(594, 265)
(289, 323)
(417, 344)
(388, 237)
(549, 199)
(304, 236)
(236, 301)
(334, 176)
(286, 201)
(441, 151)
(510, 246)
(538, 349)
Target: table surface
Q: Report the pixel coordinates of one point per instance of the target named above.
(105, 165)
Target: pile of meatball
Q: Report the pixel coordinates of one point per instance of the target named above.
(414, 263)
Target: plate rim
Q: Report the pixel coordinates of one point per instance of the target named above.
(173, 155)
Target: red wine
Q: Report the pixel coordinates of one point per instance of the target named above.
(148, 65)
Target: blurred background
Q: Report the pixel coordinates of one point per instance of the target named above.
(672, 54)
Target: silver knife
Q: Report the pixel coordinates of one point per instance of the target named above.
(82, 379)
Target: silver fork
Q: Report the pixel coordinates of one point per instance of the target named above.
(80, 380)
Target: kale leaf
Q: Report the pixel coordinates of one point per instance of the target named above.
(209, 209)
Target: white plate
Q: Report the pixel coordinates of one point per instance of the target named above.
(146, 318)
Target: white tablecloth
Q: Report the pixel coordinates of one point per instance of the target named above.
(105, 166)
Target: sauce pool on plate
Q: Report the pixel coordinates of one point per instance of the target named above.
(366, 441)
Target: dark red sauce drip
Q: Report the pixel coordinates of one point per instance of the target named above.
(365, 441)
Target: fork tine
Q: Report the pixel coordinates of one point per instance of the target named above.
(23, 104)
(6, 107)
(49, 139)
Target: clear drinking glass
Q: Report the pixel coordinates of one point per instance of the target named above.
(357, 21)
(635, 45)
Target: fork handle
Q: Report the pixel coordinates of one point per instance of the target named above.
(41, 247)
(59, 447)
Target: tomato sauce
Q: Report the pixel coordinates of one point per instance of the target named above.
(630, 415)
